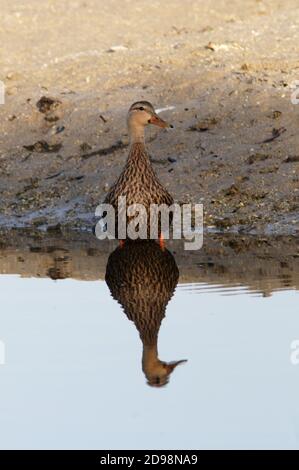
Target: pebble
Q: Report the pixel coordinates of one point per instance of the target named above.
(117, 48)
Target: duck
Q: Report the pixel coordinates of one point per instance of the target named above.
(142, 278)
(138, 181)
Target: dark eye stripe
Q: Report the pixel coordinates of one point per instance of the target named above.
(139, 108)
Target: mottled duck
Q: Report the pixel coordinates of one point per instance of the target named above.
(138, 181)
(142, 278)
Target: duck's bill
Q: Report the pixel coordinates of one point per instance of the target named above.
(172, 365)
(157, 121)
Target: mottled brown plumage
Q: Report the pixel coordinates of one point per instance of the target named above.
(142, 278)
(138, 181)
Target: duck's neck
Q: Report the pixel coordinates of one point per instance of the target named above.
(150, 358)
(136, 133)
(138, 155)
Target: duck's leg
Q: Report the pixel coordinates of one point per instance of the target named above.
(161, 241)
(121, 243)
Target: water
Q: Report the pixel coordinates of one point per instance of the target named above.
(77, 373)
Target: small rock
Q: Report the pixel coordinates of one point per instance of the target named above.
(46, 104)
(257, 157)
(12, 91)
(232, 190)
(76, 178)
(85, 147)
(291, 159)
(43, 147)
(211, 46)
(117, 48)
(276, 114)
(54, 228)
(39, 221)
(204, 125)
(245, 67)
(223, 223)
(217, 47)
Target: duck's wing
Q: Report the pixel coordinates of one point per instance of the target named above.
(111, 196)
(168, 198)
(162, 195)
(108, 197)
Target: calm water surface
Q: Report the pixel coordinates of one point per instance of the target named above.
(92, 364)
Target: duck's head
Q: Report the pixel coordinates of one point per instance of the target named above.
(158, 373)
(141, 114)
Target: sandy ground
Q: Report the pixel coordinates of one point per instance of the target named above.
(226, 68)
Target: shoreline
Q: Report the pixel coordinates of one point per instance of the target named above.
(264, 264)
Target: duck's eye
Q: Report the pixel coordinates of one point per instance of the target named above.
(141, 108)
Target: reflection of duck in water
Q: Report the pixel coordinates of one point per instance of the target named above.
(142, 278)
